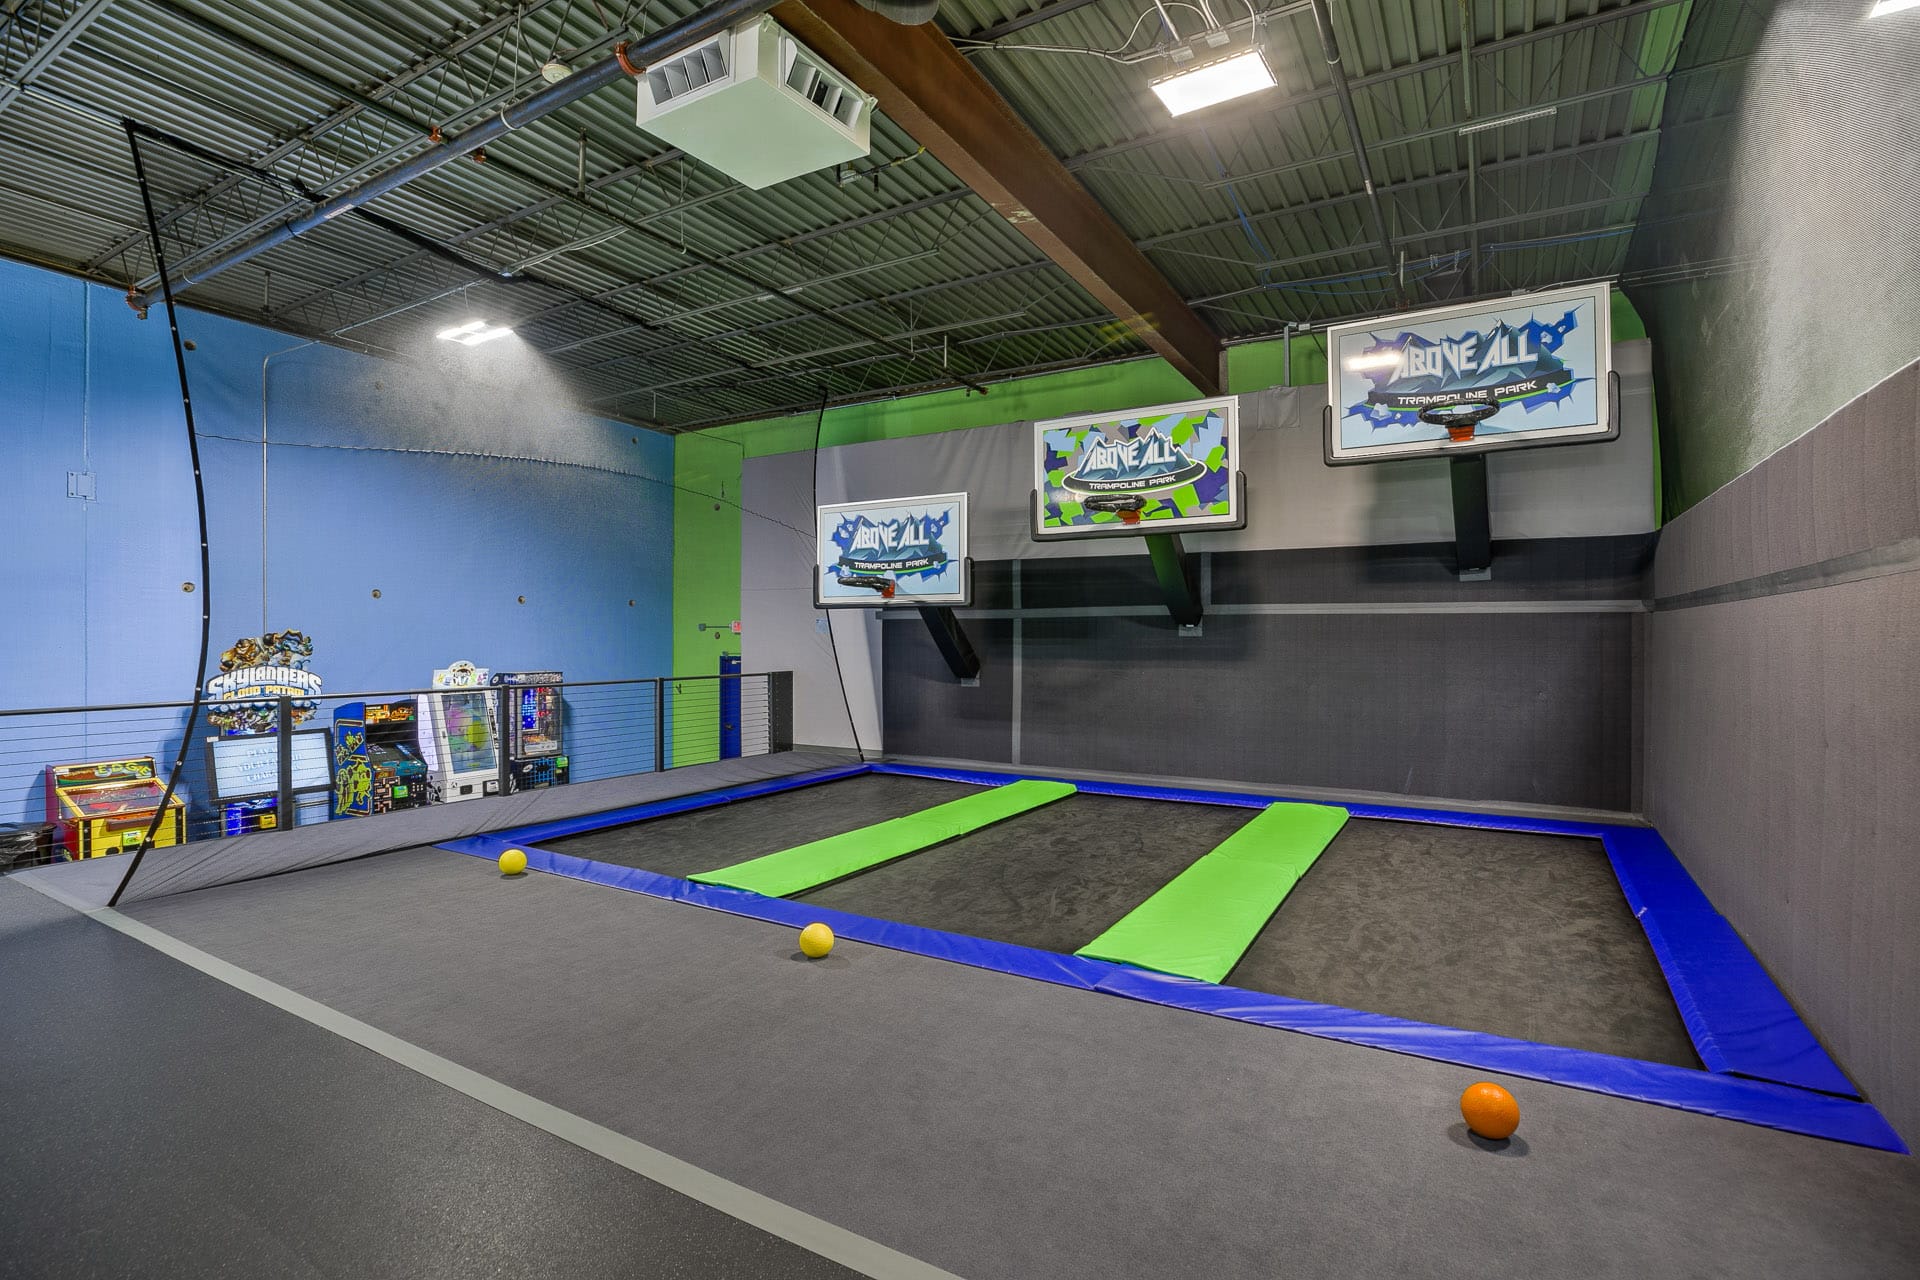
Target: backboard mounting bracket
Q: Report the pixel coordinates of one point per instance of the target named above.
(951, 640)
(1178, 575)
(1472, 526)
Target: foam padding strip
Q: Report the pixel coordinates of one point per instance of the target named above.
(1740, 1021)
(1749, 1101)
(563, 827)
(1205, 918)
(807, 866)
(1249, 800)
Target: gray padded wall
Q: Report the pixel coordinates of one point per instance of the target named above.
(1783, 724)
(1574, 519)
(1388, 676)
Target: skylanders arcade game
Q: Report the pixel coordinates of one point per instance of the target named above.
(533, 724)
(377, 766)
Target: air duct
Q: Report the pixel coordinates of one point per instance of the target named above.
(626, 60)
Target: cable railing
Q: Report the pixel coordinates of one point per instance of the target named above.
(84, 782)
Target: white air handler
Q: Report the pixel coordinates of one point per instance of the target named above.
(462, 747)
(757, 105)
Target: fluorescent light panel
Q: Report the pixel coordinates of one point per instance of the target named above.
(1886, 7)
(473, 333)
(1215, 82)
(1501, 122)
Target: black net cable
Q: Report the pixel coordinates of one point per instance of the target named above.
(833, 641)
(200, 503)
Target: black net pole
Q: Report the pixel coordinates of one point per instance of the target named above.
(200, 504)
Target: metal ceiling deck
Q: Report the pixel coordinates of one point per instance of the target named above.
(667, 294)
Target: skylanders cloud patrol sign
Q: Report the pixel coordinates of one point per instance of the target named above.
(255, 674)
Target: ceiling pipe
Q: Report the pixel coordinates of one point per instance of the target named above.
(1344, 91)
(626, 60)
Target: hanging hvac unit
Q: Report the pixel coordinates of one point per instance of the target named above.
(757, 105)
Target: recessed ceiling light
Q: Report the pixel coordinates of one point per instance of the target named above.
(473, 333)
(1214, 82)
(1886, 7)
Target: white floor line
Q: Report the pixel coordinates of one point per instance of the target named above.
(855, 1252)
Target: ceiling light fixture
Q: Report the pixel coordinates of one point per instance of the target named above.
(473, 333)
(1214, 82)
(1501, 122)
(1886, 7)
(1374, 360)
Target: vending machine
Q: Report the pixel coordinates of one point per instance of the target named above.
(462, 749)
(533, 715)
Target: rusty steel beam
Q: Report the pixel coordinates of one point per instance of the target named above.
(928, 89)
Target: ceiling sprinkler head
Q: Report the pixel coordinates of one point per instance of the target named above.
(553, 71)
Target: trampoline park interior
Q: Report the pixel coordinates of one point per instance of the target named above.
(985, 638)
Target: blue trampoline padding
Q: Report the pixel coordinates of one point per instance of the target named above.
(586, 822)
(1248, 800)
(1751, 1101)
(1740, 1021)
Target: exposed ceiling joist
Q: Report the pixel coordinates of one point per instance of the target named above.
(933, 93)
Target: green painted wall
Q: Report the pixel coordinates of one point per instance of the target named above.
(706, 586)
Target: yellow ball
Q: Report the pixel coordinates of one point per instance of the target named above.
(513, 862)
(816, 940)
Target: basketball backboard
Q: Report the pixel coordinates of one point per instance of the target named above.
(1162, 469)
(1541, 361)
(892, 551)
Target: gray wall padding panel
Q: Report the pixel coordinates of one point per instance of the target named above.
(1531, 708)
(1783, 766)
(1782, 752)
(929, 713)
(1543, 569)
(1570, 495)
(1850, 486)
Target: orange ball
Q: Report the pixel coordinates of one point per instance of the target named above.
(1489, 1110)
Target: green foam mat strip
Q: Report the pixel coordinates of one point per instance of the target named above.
(1206, 917)
(808, 866)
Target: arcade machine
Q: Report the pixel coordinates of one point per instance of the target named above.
(460, 742)
(244, 772)
(106, 807)
(377, 766)
(532, 716)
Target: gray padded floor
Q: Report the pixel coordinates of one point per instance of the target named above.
(707, 839)
(1054, 877)
(161, 1124)
(1001, 1127)
(1504, 931)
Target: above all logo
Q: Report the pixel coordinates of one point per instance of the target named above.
(1138, 463)
(899, 547)
(1508, 364)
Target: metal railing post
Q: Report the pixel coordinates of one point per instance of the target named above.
(659, 724)
(284, 815)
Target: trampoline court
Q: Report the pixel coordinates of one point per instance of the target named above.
(973, 1043)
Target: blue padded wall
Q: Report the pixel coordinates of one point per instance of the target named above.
(453, 490)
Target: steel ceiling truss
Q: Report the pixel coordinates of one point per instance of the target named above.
(376, 124)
